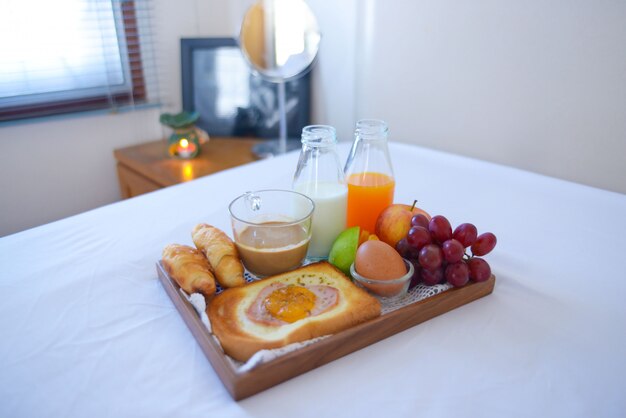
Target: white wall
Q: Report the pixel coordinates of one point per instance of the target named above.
(60, 167)
(533, 84)
(334, 81)
(55, 169)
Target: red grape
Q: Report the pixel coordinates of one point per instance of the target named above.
(430, 256)
(453, 251)
(457, 274)
(403, 248)
(466, 234)
(440, 228)
(432, 277)
(419, 220)
(484, 244)
(479, 269)
(418, 237)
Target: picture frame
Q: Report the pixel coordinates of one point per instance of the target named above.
(232, 100)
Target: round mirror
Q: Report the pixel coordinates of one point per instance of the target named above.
(279, 38)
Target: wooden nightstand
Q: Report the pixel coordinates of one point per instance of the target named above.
(146, 167)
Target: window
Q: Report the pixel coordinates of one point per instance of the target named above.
(71, 55)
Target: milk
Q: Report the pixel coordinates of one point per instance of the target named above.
(329, 217)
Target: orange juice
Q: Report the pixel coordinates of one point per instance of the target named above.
(368, 194)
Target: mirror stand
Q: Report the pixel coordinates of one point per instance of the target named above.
(279, 40)
(282, 128)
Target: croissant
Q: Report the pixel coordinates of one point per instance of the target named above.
(189, 268)
(222, 254)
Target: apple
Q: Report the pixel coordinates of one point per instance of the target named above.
(344, 248)
(343, 251)
(394, 222)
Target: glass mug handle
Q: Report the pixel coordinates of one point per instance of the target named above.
(253, 201)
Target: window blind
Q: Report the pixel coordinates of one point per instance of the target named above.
(75, 55)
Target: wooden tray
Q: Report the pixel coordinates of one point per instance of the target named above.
(264, 376)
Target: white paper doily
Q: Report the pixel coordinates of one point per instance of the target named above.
(415, 294)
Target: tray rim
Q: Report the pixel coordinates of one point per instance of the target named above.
(264, 376)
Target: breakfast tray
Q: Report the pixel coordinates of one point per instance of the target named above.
(240, 385)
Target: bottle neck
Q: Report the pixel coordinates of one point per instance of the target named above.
(369, 153)
(371, 130)
(318, 161)
(319, 136)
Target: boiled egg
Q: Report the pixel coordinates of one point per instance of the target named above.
(378, 260)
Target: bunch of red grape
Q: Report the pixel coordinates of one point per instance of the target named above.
(439, 254)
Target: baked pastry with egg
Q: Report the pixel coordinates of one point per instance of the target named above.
(305, 303)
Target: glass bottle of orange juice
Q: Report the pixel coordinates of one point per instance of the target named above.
(369, 174)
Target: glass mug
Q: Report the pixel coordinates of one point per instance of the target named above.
(272, 230)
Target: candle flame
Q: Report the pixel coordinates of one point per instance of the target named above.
(184, 143)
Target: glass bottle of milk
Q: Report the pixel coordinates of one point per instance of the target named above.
(319, 176)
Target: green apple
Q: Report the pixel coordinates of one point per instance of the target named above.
(344, 248)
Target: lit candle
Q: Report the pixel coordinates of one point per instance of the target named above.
(185, 148)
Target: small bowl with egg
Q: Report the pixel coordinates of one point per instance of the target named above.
(379, 269)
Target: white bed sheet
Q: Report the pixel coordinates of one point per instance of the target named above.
(87, 330)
